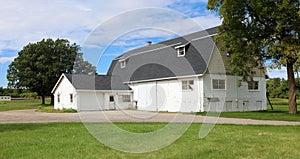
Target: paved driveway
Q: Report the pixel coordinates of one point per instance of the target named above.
(31, 116)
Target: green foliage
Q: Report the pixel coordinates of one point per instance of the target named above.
(39, 65)
(278, 88)
(260, 30)
(14, 95)
(50, 109)
(29, 95)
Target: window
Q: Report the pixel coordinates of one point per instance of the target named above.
(111, 99)
(187, 85)
(218, 83)
(123, 63)
(181, 51)
(125, 98)
(58, 98)
(71, 98)
(253, 85)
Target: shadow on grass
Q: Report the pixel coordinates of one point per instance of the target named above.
(21, 127)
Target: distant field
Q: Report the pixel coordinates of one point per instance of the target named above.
(71, 140)
(21, 104)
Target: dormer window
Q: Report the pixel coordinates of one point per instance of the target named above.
(123, 63)
(180, 51)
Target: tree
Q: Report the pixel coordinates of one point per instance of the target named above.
(259, 30)
(39, 65)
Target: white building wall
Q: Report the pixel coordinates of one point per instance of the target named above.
(167, 95)
(90, 100)
(234, 97)
(64, 90)
(95, 100)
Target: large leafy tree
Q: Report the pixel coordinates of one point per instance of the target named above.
(39, 65)
(259, 30)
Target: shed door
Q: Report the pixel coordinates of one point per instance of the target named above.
(112, 102)
(245, 105)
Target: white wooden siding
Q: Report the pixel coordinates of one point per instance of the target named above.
(64, 89)
(234, 97)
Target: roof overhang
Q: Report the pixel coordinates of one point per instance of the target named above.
(105, 91)
(58, 82)
(163, 79)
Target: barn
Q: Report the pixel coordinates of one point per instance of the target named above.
(184, 74)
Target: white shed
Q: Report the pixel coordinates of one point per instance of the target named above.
(90, 92)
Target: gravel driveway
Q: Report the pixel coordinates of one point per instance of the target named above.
(31, 116)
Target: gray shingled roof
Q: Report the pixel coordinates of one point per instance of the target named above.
(161, 61)
(96, 82)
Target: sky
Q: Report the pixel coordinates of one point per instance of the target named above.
(104, 29)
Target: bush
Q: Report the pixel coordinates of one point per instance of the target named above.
(14, 95)
(29, 95)
(50, 109)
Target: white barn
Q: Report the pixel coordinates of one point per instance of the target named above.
(185, 74)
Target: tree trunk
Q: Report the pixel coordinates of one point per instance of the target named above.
(43, 100)
(52, 100)
(292, 89)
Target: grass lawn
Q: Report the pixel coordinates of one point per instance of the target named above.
(280, 112)
(21, 104)
(71, 140)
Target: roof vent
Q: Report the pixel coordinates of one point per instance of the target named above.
(149, 43)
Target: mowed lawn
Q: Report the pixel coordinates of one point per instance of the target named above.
(21, 104)
(72, 140)
(279, 112)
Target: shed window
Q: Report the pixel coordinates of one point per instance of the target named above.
(218, 83)
(111, 99)
(253, 85)
(125, 98)
(181, 51)
(58, 98)
(187, 85)
(123, 64)
(71, 98)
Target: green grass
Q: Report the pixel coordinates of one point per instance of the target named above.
(280, 112)
(71, 140)
(21, 104)
(50, 109)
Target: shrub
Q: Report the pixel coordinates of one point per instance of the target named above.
(29, 95)
(14, 95)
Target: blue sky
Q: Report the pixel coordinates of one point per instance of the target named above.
(81, 22)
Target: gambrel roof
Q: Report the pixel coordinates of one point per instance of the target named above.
(161, 60)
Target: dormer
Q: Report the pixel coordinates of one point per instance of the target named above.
(180, 50)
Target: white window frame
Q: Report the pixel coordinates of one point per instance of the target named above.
(188, 86)
(125, 98)
(122, 63)
(178, 50)
(258, 88)
(212, 84)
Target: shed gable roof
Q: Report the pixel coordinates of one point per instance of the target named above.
(96, 82)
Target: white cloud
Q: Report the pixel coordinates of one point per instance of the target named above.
(281, 73)
(6, 59)
(30, 21)
(208, 21)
